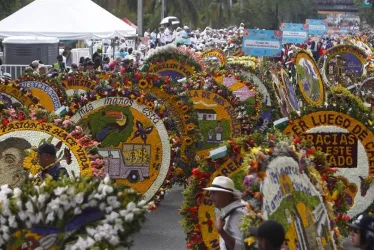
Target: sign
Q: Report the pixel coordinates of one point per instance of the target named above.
(134, 140)
(19, 136)
(290, 198)
(47, 95)
(349, 145)
(263, 43)
(316, 27)
(309, 79)
(344, 64)
(294, 33)
(217, 120)
(238, 87)
(337, 31)
(367, 3)
(74, 85)
(341, 148)
(172, 68)
(215, 54)
(10, 95)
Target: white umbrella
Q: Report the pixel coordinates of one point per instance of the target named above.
(168, 19)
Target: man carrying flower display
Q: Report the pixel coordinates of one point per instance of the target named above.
(227, 199)
(47, 160)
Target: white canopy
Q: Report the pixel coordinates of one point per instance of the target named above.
(65, 20)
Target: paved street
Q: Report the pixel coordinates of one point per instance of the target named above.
(162, 231)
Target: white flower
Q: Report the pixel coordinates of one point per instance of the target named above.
(29, 207)
(98, 196)
(77, 211)
(60, 213)
(60, 190)
(33, 198)
(102, 206)
(50, 217)
(90, 231)
(79, 198)
(129, 217)
(141, 203)
(107, 179)
(38, 217)
(54, 204)
(13, 222)
(123, 213)
(42, 198)
(17, 192)
(108, 209)
(70, 191)
(92, 203)
(97, 237)
(112, 216)
(114, 240)
(22, 215)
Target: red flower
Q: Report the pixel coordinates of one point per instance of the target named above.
(310, 151)
(297, 140)
(5, 122)
(20, 116)
(196, 172)
(42, 120)
(138, 76)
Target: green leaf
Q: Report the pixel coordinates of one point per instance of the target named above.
(49, 140)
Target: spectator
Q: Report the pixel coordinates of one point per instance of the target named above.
(60, 65)
(147, 33)
(270, 235)
(106, 62)
(130, 56)
(362, 234)
(115, 63)
(68, 55)
(74, 68)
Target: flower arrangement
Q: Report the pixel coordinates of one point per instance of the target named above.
(181, 55)
(258, 150)
(77, 213)
(14, 89)
(340, 99)
(42, 116)
(58, 88)
(160, 95)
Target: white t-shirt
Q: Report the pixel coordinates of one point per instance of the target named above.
(146, 34)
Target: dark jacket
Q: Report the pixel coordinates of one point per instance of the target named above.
(55, 171)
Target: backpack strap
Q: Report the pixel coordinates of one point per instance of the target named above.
(232, 210)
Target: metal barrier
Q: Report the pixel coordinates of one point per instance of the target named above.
(16, 70)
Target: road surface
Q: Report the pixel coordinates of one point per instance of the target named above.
(162, 230)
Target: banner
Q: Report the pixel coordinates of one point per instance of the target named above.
(263, 43)
(294, 33)
(316, 26)
(367, 3)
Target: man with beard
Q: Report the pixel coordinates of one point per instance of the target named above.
(12, 154)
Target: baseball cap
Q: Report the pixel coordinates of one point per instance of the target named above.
(47, 148)
(270, 230)
(363, 222)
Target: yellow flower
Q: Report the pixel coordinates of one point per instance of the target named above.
(143, 84)
(250, 241)
(31, 162)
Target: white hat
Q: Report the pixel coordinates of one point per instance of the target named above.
(186, 27)
(223, 184)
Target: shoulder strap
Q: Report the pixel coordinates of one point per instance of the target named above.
(232, 210)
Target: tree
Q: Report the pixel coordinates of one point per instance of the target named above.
(8, 7)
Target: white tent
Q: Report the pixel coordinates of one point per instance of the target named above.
(66, 20)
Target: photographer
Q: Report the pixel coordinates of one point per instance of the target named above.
(362, 234)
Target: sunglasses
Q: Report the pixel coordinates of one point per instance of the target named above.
(355, 230)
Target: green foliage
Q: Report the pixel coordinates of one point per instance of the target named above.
(99, 121)
(290, 204)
